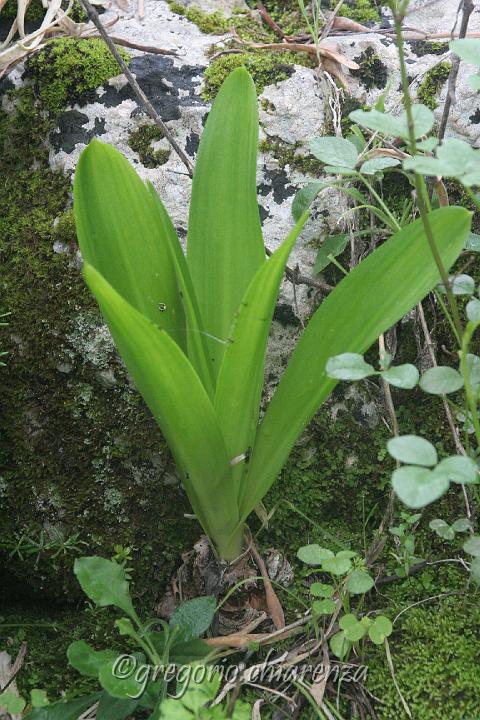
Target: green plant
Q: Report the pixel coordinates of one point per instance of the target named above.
(193, 331)
(3, 353)
(153, 660)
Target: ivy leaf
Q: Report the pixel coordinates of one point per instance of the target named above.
(417, 486)
(458, 469)
(402, 376)
(348, 366)
(195, 616)
(380, 629)
(359, 582)
(104, 582)
(413, 450)
(441, 380)
(335, 151)
(313, 554)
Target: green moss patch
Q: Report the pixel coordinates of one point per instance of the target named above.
(363, 11)
(141, 140)
(372, 72)
(432, 84)
(68, 70)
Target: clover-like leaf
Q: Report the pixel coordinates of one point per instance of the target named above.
(324, 607)
(380, 629)
(359, 582)
(458, 469)
(413, 450)
(441, 380)
(313, 554)
(349, 366)
(417, 486)
(442, 529)
(402, 376)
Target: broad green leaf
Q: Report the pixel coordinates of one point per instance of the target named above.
(305, 197)
(111, 708)
(11, 703)
(473, 365)
(224, 245)
(417, 486)
(428, 145)
(195, 338)
(104, 582)
(347, 621)
(241, 376)
(85, 659)
(401, 376)
(339, 645)
(180, 405)
(348, 366)
(39, 698)
(380, 629)
(374, 296)
(335, 151)
(442, 529)
(119, 683)
(331, 246)
(462, 285)
(413, 450)
(375, 165)
(324, 607)
(454, 158)
(467, 50)
(473, 310)
(119, 235)
(441, 380)
(355, 632)
(462, 525)
(472, 545)
(313, 554)
(194, 617)
(458, 469)
(475, 564)
(359, 582)
(336, 565)
(321, 590)
(70, 710)
(473, 242)
(395, 125)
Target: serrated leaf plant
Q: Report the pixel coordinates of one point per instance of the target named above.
(193, 329)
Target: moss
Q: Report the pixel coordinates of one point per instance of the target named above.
(265, 68)
(68, 70)
(421, 48)
(141, 140)
(372, 71)
(291, 155)
(215, 23)
(363, 11)
(432, 83)
(98, 446)
(436, 655)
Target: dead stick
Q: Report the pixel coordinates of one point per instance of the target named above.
(467, 9)
(142, 98)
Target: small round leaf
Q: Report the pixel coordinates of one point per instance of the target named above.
(417, 487)
(380, 629)
(441, 380)
(472, 546)
(402, 376)
(313, 554)
(413, 450)
(348, 366)
(324, 607)
(458, 469)
(473, 310)
(359, 582)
